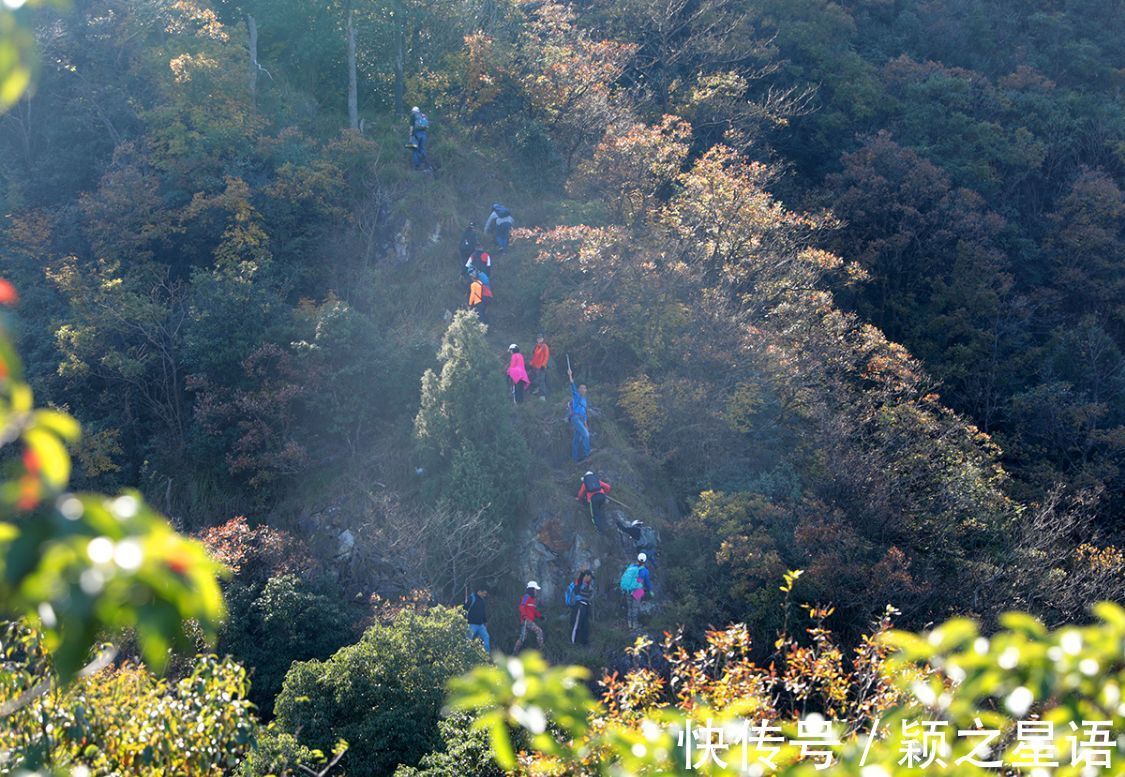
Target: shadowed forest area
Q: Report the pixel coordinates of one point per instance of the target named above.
(845, 282)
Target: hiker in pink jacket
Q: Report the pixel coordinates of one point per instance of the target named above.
(517, 374)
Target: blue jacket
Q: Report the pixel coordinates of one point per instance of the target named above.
(577, 403)
(645, 578)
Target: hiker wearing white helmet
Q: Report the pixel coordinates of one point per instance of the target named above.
(529, 613)
(517, 374)
(595, 492)
(636, 582)
(419, 129)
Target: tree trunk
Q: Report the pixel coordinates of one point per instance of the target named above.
(400, 60)
(353, 94)
(252, 29)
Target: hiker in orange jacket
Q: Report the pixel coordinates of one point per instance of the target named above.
(540, 358)
(478, 297)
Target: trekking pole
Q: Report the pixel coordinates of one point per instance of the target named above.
(610, 498)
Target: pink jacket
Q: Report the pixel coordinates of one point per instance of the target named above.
(516, 371)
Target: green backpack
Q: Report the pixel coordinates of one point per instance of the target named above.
(630, 579)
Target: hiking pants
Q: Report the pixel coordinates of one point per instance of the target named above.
(418, 153)
(580, 443)
(526, 626)
(580, 624)
(597, 509)
(539, 381)
(503, 235)
(632, 611)
(481, 309)
(517, 391)
(480, 631)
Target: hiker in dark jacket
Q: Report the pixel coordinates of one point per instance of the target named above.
(581, 597)
(469, 241)
(477, 616)
(594, 491)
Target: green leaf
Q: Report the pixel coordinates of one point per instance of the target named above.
(60, 423)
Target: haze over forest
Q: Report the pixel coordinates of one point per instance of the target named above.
(844, 281)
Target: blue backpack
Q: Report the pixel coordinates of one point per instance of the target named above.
(570, 597)
(630, 579)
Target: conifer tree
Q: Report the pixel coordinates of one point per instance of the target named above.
(464, 427)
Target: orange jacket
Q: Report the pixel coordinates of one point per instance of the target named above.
(540, 356)
(476, 292)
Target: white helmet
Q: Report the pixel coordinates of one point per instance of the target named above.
(641, 557)
(588, 472)
(415, 109)
(533, 584)
(513, 347)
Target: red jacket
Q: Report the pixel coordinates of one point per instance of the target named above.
(540, 356)
(582, 492)
(528, 610)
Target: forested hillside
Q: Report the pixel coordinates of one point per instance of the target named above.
(844, 281)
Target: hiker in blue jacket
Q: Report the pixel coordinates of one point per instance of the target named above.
(419, 129)
(580, 442)
(636, 583)
(500, 219)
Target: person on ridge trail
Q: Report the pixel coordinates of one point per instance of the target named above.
(517, 375)
(419, 129)
(594, 491)
(578, 596)
(576, 414)
(477, 616)
(540, 358)
(479, 259)
(501, 219)
(479, 295)
(469, 242)
(529, 613)
(635, 583)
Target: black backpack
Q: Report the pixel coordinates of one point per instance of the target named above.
(592, 483)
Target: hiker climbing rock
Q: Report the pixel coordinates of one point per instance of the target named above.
(635, 583)
(500, 222)
(529, 613)
(479, 295)
(479, 260)
(477, 616)
(469, 242)
(577, 415)
(579, 594)
(595, 493)
(540, 358)
(517, 375)
(419, 131)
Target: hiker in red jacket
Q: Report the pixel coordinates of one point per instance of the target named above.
(529, 613)
(595, 491)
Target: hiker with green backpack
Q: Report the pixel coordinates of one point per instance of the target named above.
(635, 583)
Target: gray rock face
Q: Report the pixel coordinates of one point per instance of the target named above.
(559, 543)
